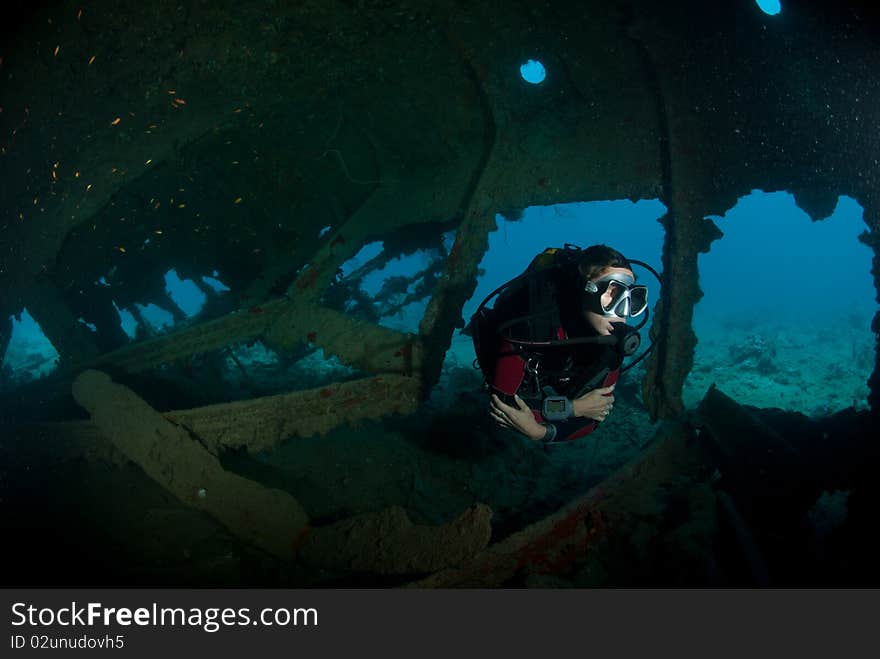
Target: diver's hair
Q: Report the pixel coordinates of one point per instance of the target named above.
(597, 258)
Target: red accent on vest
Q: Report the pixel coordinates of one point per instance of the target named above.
(509, 370)
(583, 432)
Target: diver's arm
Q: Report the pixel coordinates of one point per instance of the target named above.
(593, 403)
(518, 417)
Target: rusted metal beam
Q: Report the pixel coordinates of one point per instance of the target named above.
(268, 518)
(262, 423)
(455, 287)
(872, 239)
(357, 343)
(241, 325)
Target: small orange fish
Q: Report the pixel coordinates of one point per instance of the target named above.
(180, 101)
(115, 121)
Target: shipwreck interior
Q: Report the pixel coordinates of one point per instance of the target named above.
(326, 177)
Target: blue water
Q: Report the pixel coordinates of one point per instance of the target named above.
(785, 321)
(631, 228)
(775, 277)
(775, 264)
(533, 71)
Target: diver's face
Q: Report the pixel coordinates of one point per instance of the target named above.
(600, 323)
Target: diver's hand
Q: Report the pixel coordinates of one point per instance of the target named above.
(595, 404)
(518, 418)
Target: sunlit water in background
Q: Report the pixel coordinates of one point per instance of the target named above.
(784, 321)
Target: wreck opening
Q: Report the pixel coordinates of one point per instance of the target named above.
(29, 354)
(631, 227)
(402, 287)
(253, 368)
(154, 319)
(390, 282)
(786, 323)
(185, 293)
(769, 7)
(127, 321)
(533, 72)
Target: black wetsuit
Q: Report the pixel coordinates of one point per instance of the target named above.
(549, 304)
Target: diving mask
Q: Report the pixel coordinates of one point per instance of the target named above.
(616, 295)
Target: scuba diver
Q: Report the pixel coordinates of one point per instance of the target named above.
(552, 346)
